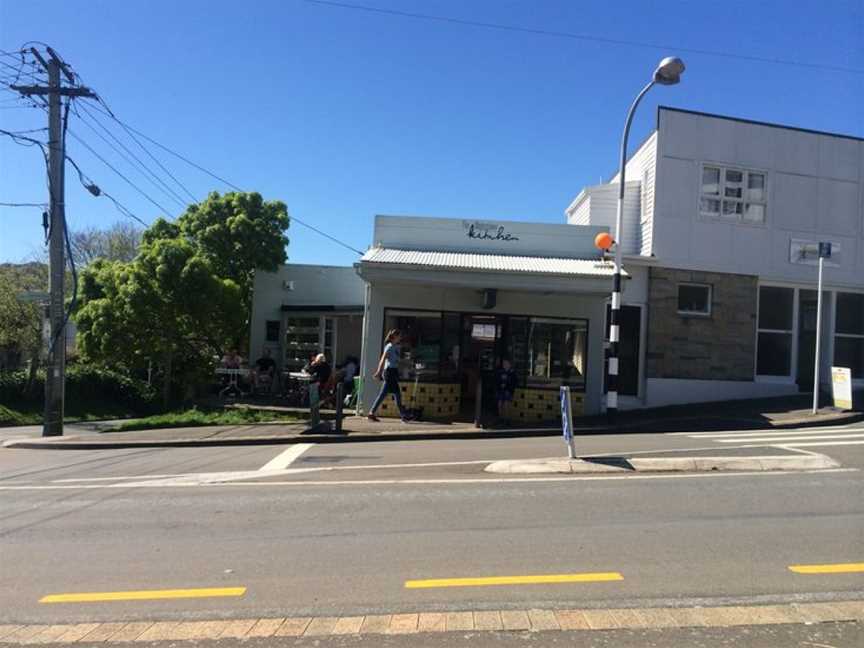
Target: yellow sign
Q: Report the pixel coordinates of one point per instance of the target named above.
(841, 383)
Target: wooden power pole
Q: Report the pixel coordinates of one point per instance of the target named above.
(55, 373)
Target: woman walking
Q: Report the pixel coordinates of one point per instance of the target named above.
(388, 370)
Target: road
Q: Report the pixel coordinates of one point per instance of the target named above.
(375, 528)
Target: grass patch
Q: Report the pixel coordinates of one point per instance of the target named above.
(199, 417)
(94, 412)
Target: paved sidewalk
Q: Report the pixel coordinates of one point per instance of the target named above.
(532, 620)
(737, 415)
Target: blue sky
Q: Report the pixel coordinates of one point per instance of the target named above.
(343, 114)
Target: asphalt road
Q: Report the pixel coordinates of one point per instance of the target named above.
(341, 528)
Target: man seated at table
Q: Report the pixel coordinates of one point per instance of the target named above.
(264, 371)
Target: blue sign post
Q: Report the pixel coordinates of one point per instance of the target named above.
(567, 421)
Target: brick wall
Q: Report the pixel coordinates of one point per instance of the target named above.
(718, 347)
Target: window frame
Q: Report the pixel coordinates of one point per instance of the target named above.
(720, 197)
(695, 284)
(835, 334)
(793, 333)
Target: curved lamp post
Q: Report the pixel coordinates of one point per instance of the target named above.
(668, 72)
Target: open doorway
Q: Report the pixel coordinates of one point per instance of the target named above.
(481, 352)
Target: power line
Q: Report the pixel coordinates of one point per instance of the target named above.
(144, 148)
(151, 177)
(227, 182)
(96, 191)
(8, 204)
(583, 37)
(114, 169)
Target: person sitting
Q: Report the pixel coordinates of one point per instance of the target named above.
(232, 359)
(264, 371)
(231, 380)
(320, 370)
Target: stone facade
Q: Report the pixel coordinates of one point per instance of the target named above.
(720, 346)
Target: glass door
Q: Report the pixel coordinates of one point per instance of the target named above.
(482, 337)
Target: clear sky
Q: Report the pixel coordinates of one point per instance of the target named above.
(343, 114)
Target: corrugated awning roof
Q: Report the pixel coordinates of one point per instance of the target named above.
(473, 262)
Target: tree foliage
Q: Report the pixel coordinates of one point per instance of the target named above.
(20, 322)
(237, 233)
(185, 296)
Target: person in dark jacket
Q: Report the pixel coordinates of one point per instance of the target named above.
(320, 370)
(505, 385)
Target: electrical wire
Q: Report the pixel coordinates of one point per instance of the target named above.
(8, 204)
(142, 168)
(97, 191)
(583, 37)
(119, 173)
(143, 148)
(228, 182)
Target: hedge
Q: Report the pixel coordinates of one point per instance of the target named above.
(84, 383)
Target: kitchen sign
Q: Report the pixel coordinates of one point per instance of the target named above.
(487, 231)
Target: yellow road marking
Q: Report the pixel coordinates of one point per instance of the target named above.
(838, 568)
(143, 595)
(515, 580)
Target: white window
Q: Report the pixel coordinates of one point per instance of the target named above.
(694, 299)
(733, 194)
(849, 333)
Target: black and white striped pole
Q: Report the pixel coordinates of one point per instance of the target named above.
(667, 73)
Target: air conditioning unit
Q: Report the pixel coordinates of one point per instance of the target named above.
(288, 285)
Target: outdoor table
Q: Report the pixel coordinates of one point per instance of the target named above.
(233, 379)
(296, 386)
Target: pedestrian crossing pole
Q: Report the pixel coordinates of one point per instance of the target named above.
(668, 72)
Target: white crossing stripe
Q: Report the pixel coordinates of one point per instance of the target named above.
(286, 458)
(744, 433)
(824, 443)
(792, 440)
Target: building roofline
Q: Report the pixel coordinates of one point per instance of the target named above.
(754, 122)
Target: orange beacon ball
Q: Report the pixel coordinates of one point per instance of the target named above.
(604, 240)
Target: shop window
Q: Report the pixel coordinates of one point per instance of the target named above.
(421, 343)
(557, 352)
(451, 333)
(733, 194)
(272, 332)
(775, 331)
(849, 333)
(302, 340)
(694, 299)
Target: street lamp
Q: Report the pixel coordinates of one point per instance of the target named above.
(668, 72)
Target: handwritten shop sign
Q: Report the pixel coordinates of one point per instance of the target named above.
(487, 231)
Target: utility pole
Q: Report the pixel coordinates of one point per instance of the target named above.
(55, 370)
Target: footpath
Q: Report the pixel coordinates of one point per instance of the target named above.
(735, 415)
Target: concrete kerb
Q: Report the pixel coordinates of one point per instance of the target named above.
(410, 433)
(662, 464)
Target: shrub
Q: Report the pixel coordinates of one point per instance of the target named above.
(85, 384)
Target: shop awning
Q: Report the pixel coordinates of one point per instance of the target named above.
(468, 261)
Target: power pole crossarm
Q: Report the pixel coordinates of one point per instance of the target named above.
(65, 92)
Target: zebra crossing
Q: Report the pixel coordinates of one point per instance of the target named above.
(797, 438)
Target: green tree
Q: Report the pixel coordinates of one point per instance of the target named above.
(237, 233)
(21, 323)
(168, 306)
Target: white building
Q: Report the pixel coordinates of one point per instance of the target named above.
(723, 214)
(720, 218)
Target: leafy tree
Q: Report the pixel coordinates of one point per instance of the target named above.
(236, 232)
(21, 323)
(167, 305)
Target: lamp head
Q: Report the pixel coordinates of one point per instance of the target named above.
(669, 71)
